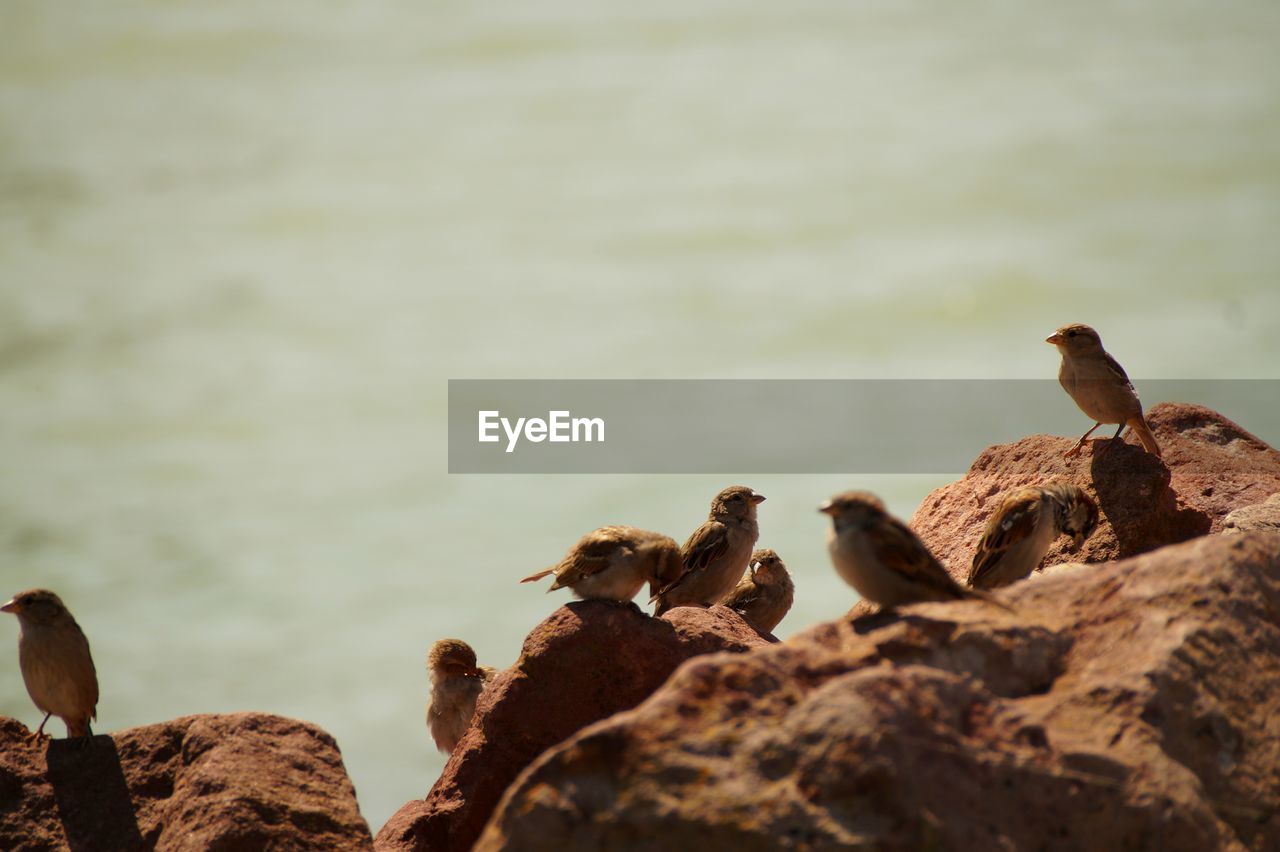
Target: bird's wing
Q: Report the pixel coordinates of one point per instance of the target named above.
(1012, 523)
(744, 594)
(707, 544)
(1114, 367)
(592, 554)
(902, 551)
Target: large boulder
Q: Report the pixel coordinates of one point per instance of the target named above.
(1210, 467)
(1128, 705)
(239, 781)
(587, 661)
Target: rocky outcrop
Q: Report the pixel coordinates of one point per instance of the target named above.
(589, 660)
(1210, 467)
(1129, 705)
(240, 781)
(1261, 516)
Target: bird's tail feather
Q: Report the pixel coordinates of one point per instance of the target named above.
(987, 597)
(1143, 431)
(533, 578)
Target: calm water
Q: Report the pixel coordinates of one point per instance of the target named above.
(242, 250)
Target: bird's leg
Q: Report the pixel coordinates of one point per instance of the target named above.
(1114, 437)
(1076, 449)
(39, 733)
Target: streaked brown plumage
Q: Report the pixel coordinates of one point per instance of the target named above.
(716, 553)
(1099, 386)
(883, 559)
(57, 667)
(456, 684)
(765, 593)
(612, 563)
(1019, 533)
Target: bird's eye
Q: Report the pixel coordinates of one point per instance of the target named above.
(1072, 333)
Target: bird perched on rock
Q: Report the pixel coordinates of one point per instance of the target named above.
(456, 684)
(1018, 535)
(1099, 386)
(883, 559)
(765, 593)
(53, 654)
(716, 553)
(613, 563)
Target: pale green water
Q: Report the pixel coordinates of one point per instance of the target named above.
(242, 250)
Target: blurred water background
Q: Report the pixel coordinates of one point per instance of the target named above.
(243, 246)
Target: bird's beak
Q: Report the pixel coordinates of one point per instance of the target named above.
(11, 606)
(827, 508)
(1054, 338)
(757, 498)
(755, 566)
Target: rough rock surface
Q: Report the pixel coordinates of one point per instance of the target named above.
(589, 660)
(238, 781)
(1130, 705)
(1262, 516)
(1210, 466)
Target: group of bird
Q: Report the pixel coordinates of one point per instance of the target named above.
(874, 552)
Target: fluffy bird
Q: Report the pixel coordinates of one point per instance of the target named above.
(1018, 535)
(613, 563)
(883, 559)
(765, 593)
(53, 654)
(456, 685)
(1099, 386)
(716, 554)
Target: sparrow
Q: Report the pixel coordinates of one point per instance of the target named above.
(1018, 535)
(765, 593)
(883, 559)
(456, 684)
(613, 563)
(1099, 385)
(57, 668)
(716, 554)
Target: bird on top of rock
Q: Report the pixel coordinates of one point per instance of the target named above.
(613, 563)
(883, 559)
(716, 554)
(1019, 533)
(456, 685)
(1099, 386)
(765, 593)
(53, 655)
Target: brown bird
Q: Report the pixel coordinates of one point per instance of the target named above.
(57, 668)
(612, 563)
(456, 685)
(1018, 535)
(765, 593)
(883, 559)
(716, 553)
(1099, 386)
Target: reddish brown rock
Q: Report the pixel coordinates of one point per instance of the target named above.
(589, 660)
(239, 781)
(1210, 466)
(1130, 705)
(1260, 516)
